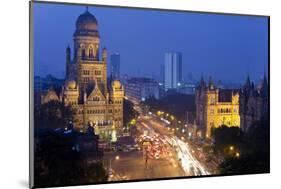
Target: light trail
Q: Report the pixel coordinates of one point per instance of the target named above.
(188, 162)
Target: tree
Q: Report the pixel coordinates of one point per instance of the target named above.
(245, 164)
(53, 114)
(57, 163)
(254, 152)
(225, 137)
(176, 104)
(129, 112)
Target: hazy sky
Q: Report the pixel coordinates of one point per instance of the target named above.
(225, 47)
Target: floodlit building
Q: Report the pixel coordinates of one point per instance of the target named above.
(172, 70)
(98, 102)
(216, 107)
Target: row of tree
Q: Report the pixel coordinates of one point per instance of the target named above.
(57, 162)
(244, 153)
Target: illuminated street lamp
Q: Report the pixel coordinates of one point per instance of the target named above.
(231, 148)
(117, 157)
(237, 154)
(158, 113)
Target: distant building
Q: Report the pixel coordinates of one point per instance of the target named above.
(253, 103)
(187, 89)
(97, 102)
(115, 65)
(172, 70)
(216, 107)
(43, 84)
(139, 89)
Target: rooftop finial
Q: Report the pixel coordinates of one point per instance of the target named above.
(87, 8)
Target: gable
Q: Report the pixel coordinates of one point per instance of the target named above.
(96, 95)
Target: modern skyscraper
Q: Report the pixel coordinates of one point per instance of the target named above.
(172, 70)
(115, 65)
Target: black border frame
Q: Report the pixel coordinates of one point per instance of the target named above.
(31, 83)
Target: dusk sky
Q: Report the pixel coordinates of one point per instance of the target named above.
(225, 47)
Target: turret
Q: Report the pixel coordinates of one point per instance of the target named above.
(211, 83)
(68, 54)
(104, 54)
(68, 59)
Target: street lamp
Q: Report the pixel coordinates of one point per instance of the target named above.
(237, 154)
(117, 157)
(231, 148)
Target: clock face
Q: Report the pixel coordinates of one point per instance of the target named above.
(51, 96)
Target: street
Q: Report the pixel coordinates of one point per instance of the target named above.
(131, 165)
(179, 161)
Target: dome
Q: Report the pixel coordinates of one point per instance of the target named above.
(86, 21)
(116, 84)
(71, 84)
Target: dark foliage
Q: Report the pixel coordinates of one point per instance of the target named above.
(129, 112)
(177, 104)
(246, 164)
(225, 137)
(255, 156)
(53, 114)
(58, 163)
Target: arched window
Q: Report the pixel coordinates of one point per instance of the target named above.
(91, 52)
(83, 53)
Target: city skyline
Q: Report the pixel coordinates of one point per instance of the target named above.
(128, 128)
(243, 40)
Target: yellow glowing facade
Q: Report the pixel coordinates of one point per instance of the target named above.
(97, 103)
(216, 107)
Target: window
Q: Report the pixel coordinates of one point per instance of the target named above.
(212, 111)
(212, 101)
(97, 72)
(96, 98)
(90, 52)
(83, 53)
(86, 72)
(86, 79)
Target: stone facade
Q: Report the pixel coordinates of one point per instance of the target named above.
(97, 103)
(253, 103)
(216, 107)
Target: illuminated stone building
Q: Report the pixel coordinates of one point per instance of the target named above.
(253, 103)
(97, 102)
(216, 107)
